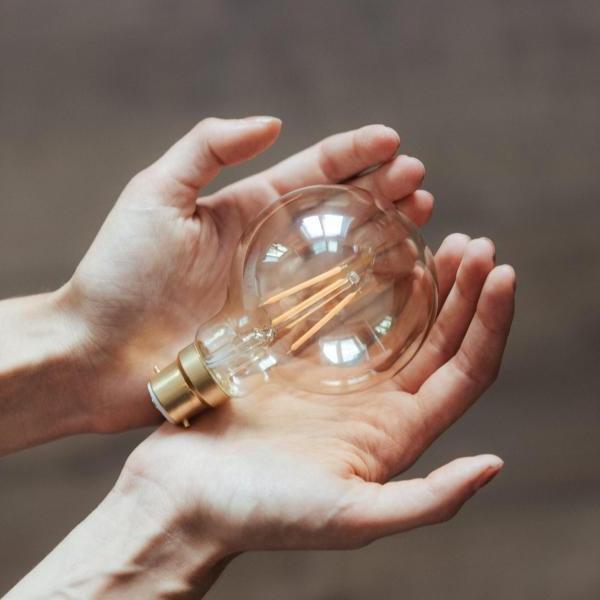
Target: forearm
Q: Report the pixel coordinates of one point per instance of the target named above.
(127, 549)
(42, 372)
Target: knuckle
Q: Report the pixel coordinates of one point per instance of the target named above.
(360, 145)
(140, 178)
(423, 429)
(327, 163)
(469, 368)
(447, 512)
(208, 122)
(148, 180)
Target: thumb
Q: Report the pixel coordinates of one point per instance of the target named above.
(193, 161)
(401, 505)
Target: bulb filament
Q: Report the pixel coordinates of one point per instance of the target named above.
(347, 284)
(323, 321)
(301, 286)
(290, 318)
(292, 312)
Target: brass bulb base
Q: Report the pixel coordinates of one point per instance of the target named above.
(185, 388)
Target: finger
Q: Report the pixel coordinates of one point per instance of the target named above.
(401, 505)
(450, 390)
(394, 180)
(332, 160)
(417, 206)
(447, 261)
(197, 158)
(453, 321)
(335, 158)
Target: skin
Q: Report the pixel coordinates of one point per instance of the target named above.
(281, 468)
(163, 208)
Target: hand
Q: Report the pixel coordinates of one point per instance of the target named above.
(160, 264)
(288, 470)
(284, 469)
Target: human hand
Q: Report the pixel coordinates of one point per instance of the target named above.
(286, 469)
(283, 469)
(160, 263)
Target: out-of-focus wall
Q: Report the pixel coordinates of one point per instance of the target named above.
(500, 100)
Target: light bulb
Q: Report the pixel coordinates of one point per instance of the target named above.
(331, 291)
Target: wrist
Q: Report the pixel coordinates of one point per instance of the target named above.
(130, 546)
(163, 552)
(42, 371)
(111, 356)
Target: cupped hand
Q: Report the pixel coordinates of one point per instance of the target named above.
(284, 469)
(159, 266)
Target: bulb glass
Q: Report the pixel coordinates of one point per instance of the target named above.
(331, 291)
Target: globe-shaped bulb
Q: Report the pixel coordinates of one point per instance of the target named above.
(331, 291)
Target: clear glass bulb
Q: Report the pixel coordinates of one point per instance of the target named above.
(331, 291)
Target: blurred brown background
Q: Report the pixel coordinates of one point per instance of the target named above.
(500, 100)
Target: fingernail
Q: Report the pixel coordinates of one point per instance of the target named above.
(391, 132)
(488, 475)
(263, 119)
(514, 279)
(491, 243)
(513, 274)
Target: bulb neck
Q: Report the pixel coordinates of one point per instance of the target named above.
(185, 388)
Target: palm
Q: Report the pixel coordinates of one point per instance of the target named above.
(170, 275)
(289, 469)
(160, 264)
(298, 469)
(309, 469)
